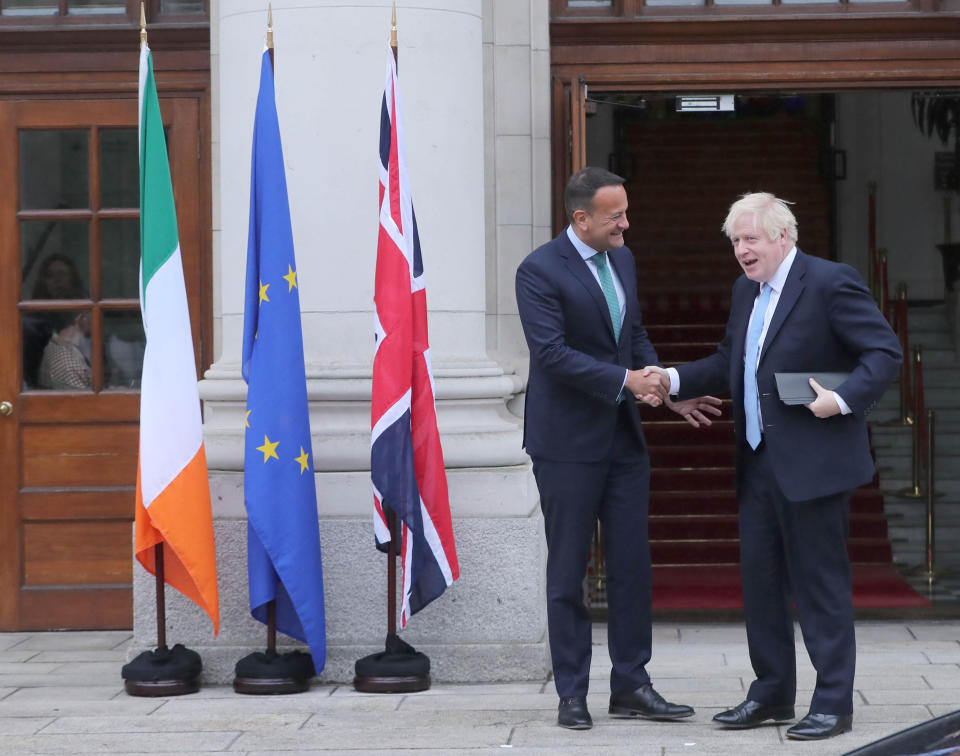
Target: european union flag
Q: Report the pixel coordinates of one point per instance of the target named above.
(283, 539)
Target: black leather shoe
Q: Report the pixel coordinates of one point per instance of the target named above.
(820, 726)
(572, 714)
(752, 713)
(647, 703)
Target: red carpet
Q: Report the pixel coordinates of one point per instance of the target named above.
(718, 587)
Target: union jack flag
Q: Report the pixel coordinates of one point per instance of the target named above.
(406, 460)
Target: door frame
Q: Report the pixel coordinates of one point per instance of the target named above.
(719, 51)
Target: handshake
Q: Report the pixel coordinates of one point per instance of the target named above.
(650, 385)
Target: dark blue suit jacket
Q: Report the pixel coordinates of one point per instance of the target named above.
(576, 367)
(825, 321)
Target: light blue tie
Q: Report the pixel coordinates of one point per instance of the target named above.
(751, 402)
(609, 291)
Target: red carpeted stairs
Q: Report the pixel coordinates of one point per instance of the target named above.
(693, 507)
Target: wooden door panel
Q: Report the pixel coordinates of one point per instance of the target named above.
(77, 608)
(92, 504)
(70, 553)
(79, 455)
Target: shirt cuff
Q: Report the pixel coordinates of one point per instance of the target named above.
(620, 396)
(844, 408)
(674, 381)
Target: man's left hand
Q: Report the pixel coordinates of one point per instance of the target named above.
(825, 405)
(695, 411)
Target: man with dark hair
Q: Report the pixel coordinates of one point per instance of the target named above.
(577, 297)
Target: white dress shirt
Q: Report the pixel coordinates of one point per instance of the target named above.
(587, 253)
(776, 284)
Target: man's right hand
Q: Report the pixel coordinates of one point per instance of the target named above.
(649, 385)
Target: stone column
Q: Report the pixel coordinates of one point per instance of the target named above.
(330, 61)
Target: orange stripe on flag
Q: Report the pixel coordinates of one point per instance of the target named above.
(181, 518)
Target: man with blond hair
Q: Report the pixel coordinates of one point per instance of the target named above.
(796, 464)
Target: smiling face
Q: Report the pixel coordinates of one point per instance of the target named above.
(757, 254)
(602, 227)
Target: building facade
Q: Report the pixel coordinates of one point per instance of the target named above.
(503, 100)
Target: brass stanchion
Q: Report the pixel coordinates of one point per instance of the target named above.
(929, 568)
(915, 490)
(931, 540)
(900, 326)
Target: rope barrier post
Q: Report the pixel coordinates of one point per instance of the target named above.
(915, 490)
(884, 299)
(931, 522)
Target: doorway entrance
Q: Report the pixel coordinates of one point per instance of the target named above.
(72, 351)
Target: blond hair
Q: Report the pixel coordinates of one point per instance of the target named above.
(770, 213)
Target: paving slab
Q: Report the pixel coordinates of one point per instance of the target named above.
(160, 723)
(182, 742)
(74, 640)
(422, 738)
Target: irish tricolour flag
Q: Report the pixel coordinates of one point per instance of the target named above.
(173, 493)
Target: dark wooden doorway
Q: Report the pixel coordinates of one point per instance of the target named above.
(71, 356)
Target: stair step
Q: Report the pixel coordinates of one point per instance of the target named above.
(685, 332)
(692, 479)
(727, 551)
(706, 455)
(726, 526)
(674, 353)
(863, 501)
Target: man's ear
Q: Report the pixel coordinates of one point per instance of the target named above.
(579, 217)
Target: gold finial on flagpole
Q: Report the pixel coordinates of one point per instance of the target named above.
(393, 27)
(270, 25)
(143, 26)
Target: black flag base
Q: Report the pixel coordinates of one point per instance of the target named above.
(270, 673)
(163, 672)
(398, 669)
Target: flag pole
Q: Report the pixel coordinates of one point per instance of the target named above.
(391, 515)
(164, 671)
(272, 604)
(271, 673)
(399, 668)
(159, 577)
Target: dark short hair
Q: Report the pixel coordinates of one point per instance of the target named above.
(583, 185)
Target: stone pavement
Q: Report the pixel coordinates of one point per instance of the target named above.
(61, 693)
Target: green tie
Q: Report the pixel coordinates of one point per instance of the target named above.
(609, 291)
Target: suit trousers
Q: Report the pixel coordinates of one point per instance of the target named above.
(795, 553)
(573, 496)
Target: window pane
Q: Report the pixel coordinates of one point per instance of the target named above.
(54, 169)
(65, 360)
(181, 6)
(87, 7)
(589, 3)
(119, 168)
(120, 257)
(123, 344)
(29, 7)
(55, 259)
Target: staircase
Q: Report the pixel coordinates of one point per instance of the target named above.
(694, 538)
(893, 445)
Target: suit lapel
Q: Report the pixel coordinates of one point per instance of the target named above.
(792, 289)
(579, 269)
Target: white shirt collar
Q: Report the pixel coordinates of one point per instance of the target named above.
(584, 249)
(778, 279)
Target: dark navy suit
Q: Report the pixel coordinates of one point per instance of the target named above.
(589, 456)
(794, 491)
